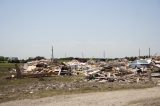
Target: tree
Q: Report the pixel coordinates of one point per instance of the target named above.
(1, 58)
(39, 58)
(13, 60)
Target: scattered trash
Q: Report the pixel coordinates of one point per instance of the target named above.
(108, 71)
(31, 92)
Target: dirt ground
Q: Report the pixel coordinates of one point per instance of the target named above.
(111, 98)
(146, 102)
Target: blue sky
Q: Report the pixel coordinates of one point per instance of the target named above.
(120, 27)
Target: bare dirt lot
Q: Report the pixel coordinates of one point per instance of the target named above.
(112, 98)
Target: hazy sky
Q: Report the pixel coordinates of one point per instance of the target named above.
(120, 27)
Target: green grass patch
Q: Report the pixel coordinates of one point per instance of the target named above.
(7, 65)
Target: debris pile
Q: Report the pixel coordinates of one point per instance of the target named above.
(43, 68)
(100, 71)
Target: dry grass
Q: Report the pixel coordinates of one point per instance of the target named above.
(146, 102)
(16, 89)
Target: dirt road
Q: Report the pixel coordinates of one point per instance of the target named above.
(112, 98)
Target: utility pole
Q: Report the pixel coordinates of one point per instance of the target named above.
(139, 52)
(65, 55)
(82, 55)
(104, 54)
(52, 55)
(149, 53)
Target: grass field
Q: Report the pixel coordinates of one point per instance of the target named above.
(4, 69)
(6, 65)
(14, 89)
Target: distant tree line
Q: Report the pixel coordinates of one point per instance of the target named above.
(3, 59)
(9, 59)
(82, 59)
(35, 58)
(16, 60)
(135, 58)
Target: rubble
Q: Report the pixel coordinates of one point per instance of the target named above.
(155, 74)
(106, 71)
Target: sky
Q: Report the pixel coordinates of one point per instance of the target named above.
(29, 28)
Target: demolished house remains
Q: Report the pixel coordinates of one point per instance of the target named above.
(102, 71)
